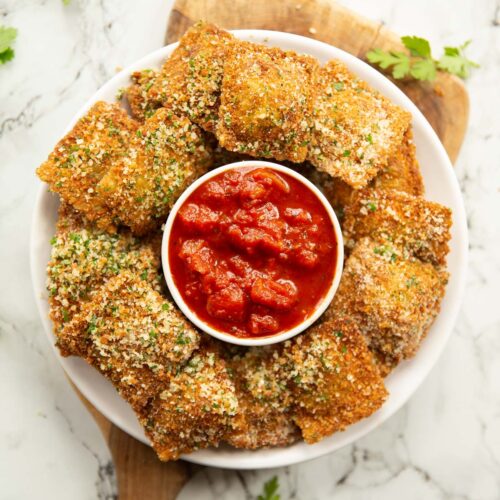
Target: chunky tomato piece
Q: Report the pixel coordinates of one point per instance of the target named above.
(281, 295)
(198, 218)
(252, 251)
(260, 325)
(228, 304)
(198, 257)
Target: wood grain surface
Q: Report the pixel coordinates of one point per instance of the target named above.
(445, 103)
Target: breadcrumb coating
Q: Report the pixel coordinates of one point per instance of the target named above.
(83, 257)
(133, 336)
(420, 226)
(402, 173)
(266, 102)
(141, 106)
(355, 129)
(264, 400)
(167, 153)
(84, 155)
(334, 381)
(392, 298)
(190, 80)
(196, 408)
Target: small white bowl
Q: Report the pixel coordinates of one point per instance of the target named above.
(227, 337)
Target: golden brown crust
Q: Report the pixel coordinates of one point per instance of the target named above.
(83, 156)
(266, 102)
(84, 257)
(392, 299)
(190, 80)
(132, 335)
(167, 153)
(264, 418)
(334, 381)
(355, 129)
(402, 172)
(195, 410)
(420, 226)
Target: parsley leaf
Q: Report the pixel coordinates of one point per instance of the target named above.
(7, 37)
(424, 70)
(419, 63)
(6, 56)
(400, 62)
(417, 46)
(270, 490)
(453, 61)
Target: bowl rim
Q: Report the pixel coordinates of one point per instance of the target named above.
(412, 372)
(203, 325)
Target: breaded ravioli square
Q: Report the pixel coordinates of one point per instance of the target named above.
(334, 380)
(133, 336)
(81, 158)
(195, 409)
(266, 102)
(420, 226)
(392, 299)
(402, 173)
(189, 81)
(264, 418)
(83, 257)
(355, 129)
(166, 154)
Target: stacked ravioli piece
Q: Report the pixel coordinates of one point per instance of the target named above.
(118, 172)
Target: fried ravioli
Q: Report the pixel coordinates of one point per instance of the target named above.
(84, 155)
(420, 226)
(266, 102)
(264, 418)
(334, 381)
(196, 408)
(83, 257)
(166, 154)
(190, 80)
(392, 299)
(402, 173)
(133, 336)
(355, 129)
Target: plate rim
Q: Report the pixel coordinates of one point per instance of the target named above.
(209, 456)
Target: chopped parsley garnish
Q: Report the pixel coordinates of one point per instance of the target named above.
(7, 37)
(270, 491)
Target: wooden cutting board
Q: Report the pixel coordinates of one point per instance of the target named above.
(445, 103)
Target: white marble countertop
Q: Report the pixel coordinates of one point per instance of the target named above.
(445, 443)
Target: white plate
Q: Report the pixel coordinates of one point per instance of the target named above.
(441, 186)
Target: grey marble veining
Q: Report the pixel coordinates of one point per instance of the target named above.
(444, 444)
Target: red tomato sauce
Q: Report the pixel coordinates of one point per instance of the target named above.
(252, 252)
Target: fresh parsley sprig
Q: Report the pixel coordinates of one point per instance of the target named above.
(7, 37)
(270, 490)
(419, 63)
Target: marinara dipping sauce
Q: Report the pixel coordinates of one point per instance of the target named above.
(252, 251)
